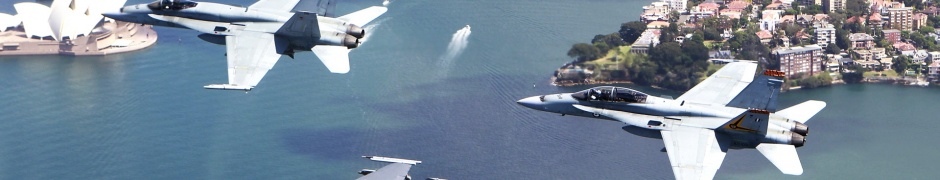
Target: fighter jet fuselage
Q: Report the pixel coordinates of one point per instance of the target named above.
(179, 14)
(659, 113)
(256, 36)
(731, 109)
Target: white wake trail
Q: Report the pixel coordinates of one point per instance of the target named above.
(370, 28)
(458, 43)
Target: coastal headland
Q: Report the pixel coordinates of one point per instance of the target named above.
(674, 47)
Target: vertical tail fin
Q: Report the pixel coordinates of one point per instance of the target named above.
(761, 93)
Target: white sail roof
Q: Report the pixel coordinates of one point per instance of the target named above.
(35, 18)
(7, 21)
(64, 18)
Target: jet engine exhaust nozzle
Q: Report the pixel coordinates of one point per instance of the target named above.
(798, 140)
(801, 129)
(351, 41)
(355, 31)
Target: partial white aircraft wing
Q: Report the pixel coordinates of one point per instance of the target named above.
(274, 5)
(336, 58)
(694, 153)
(783, 156)
(250, 55)
(398, 170)
(802, 112)
(721, 87)
(364, 16)
(391, 171)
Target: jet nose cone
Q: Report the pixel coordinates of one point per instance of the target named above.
(531, 102)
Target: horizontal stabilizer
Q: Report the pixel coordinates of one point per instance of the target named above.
(364, 16)
(802, 112)
(336, 58)
(783, 156)
(392, 160)
(228, 87)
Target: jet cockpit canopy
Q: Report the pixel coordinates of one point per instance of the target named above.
(171, 5)
(611, 94)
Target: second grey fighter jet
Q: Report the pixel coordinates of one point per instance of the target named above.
(731, 109)
(256, 36)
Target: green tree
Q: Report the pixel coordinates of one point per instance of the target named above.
(856, 7)
(832, 49)
(631, 31)
(694, 49)
(746, 45)
(666, 54)
(901, 64)
(853, 74)
(611, 40)
(925, 30)
(842, 38)
(584, 52)
(711, 34)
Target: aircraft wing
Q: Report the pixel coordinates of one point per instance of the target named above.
(321, 7)
(783, 156)
(336, 58)
(694, 153)
(391, 171)
(723, 86)
(250, 55)
(274, 5)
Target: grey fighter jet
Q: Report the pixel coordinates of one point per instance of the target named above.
(256, 36)
(731, 109)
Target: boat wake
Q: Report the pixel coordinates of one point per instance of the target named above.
(458, 43)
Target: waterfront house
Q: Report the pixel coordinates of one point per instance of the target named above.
(765, 36)
(933, 56)
(656, 11)
(869, 64)
(920, 56)
(704, 10)
(906, 49)
(861, 41)
(887, 63)
(648, 39)
(934, 70)
(864, 55)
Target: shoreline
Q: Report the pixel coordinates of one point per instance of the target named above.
(834, 83)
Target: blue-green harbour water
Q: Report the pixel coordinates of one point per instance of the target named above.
(144, 115)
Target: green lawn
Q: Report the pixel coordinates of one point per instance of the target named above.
(607, 61)
(889, 73)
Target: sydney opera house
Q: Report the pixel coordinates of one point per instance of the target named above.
(70, 27)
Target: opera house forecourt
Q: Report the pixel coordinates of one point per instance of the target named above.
(70, 27)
